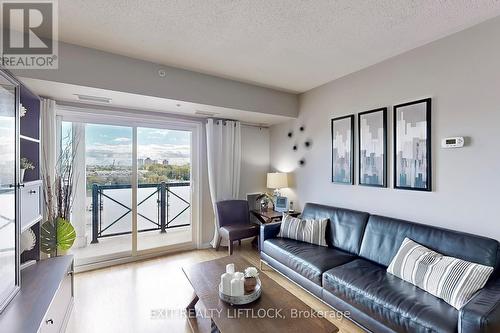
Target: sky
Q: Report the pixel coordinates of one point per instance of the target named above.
(105, 144)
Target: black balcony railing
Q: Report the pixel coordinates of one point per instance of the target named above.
(162, 193)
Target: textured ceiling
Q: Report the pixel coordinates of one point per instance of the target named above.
(293, 45)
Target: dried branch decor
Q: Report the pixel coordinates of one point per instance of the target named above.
(58, 235)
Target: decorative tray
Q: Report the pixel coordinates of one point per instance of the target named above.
(241, 300)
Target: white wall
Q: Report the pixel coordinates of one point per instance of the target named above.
(462, 75)
(254, 159)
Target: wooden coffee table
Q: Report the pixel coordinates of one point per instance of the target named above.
(277, 310)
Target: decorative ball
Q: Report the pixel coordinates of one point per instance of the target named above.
(307, 144)
(301, 128)
(295, 147)
(28, 240)
(302, 162)
(290, 134)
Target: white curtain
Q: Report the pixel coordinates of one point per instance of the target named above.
(48, 138)
(224, 161)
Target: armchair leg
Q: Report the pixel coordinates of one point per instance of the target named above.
(230, 247)
(217, 244)
(239, 241)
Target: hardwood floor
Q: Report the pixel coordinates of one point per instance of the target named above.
(147, 296)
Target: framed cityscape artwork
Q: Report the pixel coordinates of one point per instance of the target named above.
(343, 150)
(372, 142)
(412, 145)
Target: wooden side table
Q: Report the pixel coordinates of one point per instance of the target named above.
(270, 215)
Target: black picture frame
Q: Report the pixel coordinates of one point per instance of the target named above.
(383, 115)
(419, 184)
(335, 180)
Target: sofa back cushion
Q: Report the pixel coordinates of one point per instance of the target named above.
(345, 227)
(383, 237)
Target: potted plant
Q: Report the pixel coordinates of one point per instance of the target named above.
(25, 165)
(263, 200)
(57, 232)
(251, 274)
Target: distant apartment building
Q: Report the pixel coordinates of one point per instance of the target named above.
(148, 161)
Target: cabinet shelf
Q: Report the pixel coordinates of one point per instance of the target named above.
(30, 224)
(24, 137)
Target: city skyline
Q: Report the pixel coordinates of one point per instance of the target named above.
(112, 145)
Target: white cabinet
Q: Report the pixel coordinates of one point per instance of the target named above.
(45, 301)
(55, 320)
(31, 200)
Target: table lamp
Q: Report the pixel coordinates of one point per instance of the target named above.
(277, 181)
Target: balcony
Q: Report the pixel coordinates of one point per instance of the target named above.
(163, 219)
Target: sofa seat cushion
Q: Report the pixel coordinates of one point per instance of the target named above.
(307, 259)
(388, 299)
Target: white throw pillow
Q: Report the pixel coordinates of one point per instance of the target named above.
(306, 230)
(453, 280)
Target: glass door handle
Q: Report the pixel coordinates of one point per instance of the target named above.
(18, 185)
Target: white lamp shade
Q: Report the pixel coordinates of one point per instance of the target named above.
(277, 180)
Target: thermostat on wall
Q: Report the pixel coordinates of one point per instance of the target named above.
(455, 142)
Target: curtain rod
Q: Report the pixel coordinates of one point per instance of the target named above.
(242, 123)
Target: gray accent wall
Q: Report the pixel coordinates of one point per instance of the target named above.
(93, 68)
(462, 75)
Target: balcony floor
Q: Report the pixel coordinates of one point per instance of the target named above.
(121, 246)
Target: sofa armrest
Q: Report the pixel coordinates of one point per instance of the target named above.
(482, 312)
(267, 231)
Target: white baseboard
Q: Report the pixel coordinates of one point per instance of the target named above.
(129, 259)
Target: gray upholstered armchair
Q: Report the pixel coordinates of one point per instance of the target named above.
(234, 222)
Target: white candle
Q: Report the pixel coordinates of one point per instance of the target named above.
(230, 268)
(237, 287)
(225, 280)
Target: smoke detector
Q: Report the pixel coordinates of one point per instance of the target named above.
(162, 72)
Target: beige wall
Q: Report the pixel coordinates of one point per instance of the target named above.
(254, 167)
(462, 75)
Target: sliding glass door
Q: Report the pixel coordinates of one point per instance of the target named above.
(138, 193)
(164, 190)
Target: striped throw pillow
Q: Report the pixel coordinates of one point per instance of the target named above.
(306, 230)
(453, 280)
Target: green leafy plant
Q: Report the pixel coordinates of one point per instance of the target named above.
(57, 233)
(26, 164)
(57, 236)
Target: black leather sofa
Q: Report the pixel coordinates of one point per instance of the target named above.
(350, 275)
